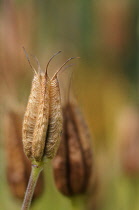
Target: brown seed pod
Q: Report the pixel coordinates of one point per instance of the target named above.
(84, 134)
(18, 167)
(42, 124)
(72, 165)
(31, 112)
(56, 118)
(36, 116)
(31, 115)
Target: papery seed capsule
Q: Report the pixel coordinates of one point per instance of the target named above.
(72, 165)
(31, 111)
(84, 134)
(42, 124)
(40, 129)
(36, 116)
(31, 115)
(18, 167)
(55, 120)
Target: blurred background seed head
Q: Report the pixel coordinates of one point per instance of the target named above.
(104, 34)
(18, 167)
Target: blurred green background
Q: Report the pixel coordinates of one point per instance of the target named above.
(104, 33)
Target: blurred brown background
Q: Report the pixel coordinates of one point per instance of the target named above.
(104, 34)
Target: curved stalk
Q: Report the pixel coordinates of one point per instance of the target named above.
(35, 172)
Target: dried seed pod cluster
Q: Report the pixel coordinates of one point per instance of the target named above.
(72, 165)
(42, 126)
(18, 167)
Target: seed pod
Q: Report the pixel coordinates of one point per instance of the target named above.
(18, 167)
(85, 137)
(44, 108)
(55, 119)
(72, 165)
(31, 115)
(36, 116)
(40, 129)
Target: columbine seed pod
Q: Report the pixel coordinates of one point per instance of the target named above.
(72, 165)
(36, 117)
(56, 118)
(31, 112)
(31, 115)
(18, 167)
(42, 126)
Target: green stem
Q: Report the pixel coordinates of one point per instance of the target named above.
(78, 202)
(35, 172)
(75, 207)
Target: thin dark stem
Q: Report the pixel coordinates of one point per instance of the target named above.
(35, 172)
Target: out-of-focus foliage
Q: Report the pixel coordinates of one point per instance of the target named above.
(104, 34)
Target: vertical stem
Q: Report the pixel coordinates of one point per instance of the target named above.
(78, 202)
(35, 172)
(74, 207)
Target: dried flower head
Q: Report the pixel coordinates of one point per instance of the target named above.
(18, 167)
(42, 126)
(72, 165)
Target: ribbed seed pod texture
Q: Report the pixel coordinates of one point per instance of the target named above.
(72, 165)
(85, 137)
(40, 130)
(42, 125)
(36, 117)
(55, 120)
(18, 167)
(31, 115)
